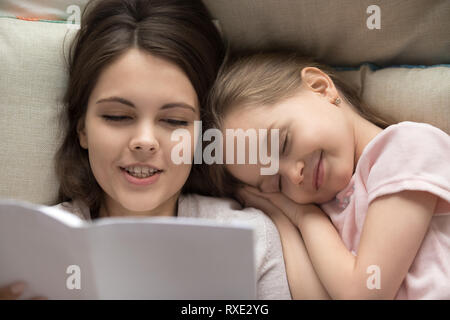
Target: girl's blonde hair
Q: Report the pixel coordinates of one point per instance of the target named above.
(266, 79)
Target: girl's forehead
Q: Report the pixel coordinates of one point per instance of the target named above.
(263, 116)
(252, 117)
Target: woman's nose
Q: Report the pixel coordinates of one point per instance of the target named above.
(144, 139)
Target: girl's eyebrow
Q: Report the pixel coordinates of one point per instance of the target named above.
(131, 104)
(274, 125)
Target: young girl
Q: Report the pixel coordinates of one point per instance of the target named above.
(140, 69)
(381, 226)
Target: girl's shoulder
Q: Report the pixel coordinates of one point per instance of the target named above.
(407, 139)
(75, 207)
(416, 127)
(406, 156)
(412, 131)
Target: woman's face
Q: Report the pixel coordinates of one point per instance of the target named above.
(310, 127)
(137, 102)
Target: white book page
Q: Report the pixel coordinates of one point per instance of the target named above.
(37, 246)
(173, 258)
(124, 258)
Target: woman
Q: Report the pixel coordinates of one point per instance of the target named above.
(138, 70)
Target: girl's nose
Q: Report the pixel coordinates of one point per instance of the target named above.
(294, 172)
(145, 139)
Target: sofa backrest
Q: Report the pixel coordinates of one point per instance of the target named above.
(33, 76)
(341, 32)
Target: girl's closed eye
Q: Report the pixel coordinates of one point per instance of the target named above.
(283, 148)
(284, 143)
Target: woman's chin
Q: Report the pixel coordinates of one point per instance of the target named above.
(138, 205)
(142, 208)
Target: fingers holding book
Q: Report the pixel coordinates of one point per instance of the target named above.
(14, 291)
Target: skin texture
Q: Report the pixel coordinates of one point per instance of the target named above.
(388, 241)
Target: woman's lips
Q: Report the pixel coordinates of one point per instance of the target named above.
(140, 182)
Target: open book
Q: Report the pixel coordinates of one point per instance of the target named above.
(61, 256)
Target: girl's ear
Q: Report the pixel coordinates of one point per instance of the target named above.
(318, 81)
(82, 134)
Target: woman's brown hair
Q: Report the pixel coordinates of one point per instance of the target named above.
(178, 30)
(252, 79)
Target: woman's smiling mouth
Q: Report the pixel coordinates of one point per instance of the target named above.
(141, 179)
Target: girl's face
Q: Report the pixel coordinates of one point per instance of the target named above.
(311, 127)
(137, 102)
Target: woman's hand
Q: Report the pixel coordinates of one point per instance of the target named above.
(273, 204)
(14, 291)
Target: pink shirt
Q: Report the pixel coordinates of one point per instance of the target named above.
(405, 156)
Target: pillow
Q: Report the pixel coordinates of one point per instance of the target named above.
(33, 83)
(336, 33)
(414, 93)
(40, 9)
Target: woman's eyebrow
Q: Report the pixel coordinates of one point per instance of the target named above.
(178, 105)
(117, 99)
(164, 107)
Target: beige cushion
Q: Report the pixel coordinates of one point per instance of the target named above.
(32, 84)
(33, 81)
(414, 94)
(335, 32)
(43, 9)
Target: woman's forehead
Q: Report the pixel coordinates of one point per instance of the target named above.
(140, 74)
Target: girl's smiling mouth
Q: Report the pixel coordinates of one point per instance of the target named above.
(318, 173)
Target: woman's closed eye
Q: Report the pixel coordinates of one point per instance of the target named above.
(172, 122)
(115, 118)
(176, 122)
